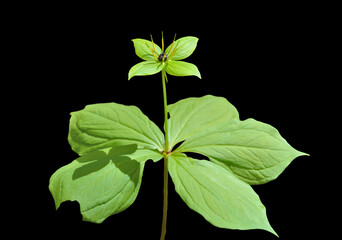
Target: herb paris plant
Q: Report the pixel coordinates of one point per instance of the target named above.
(114, 141)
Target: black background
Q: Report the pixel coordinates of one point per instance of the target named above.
(266, 60)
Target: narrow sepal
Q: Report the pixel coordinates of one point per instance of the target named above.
(180, 68)
(182, 48)
(145, 68)
(145, 49)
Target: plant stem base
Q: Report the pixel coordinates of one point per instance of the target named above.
(166, 179)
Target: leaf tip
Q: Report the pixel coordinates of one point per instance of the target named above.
(271, 230)
(199, 75)
(130, 74)
(133, 40)
(306, 154)
(299, 154)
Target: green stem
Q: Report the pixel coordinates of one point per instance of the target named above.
(166, 152)
(165, 113)
(166, 179)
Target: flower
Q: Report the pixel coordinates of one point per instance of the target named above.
(156, 59)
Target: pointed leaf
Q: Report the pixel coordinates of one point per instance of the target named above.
(216, 194)
(254, 151)
(145, 68)
(180, 68)
(103, 182)
(143, 49)
(184, 46)
(104, 125)
(192, 116)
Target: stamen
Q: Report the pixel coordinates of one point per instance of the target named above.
(152, 52)
(171, 45)
(153, 45)
(162, 42)
(174, 50)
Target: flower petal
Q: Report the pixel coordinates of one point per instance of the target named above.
(145, 68)
(180, 68)
(143, 49)
(184, 46)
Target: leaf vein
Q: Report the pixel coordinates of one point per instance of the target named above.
(115, 195)
(130, 128)
(190, 117)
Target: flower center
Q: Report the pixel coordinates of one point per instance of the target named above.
(162, 57)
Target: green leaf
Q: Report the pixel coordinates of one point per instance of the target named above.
(216, 194)
(145, 68)
(104, 182)
(254, 151)
(180, 68)
(192, 116)
(104, 125)
(185, 46)
(143, 49)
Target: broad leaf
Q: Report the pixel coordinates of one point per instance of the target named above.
(184, 46)
(192, 116)
(104, 125)
(254, 151)
(103, 182)
(145, 68)
(216, 194)
(143, 49)
(180, 68)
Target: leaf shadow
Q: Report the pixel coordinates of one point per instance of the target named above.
(117, 155)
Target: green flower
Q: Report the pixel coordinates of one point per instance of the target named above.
(156, 59)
